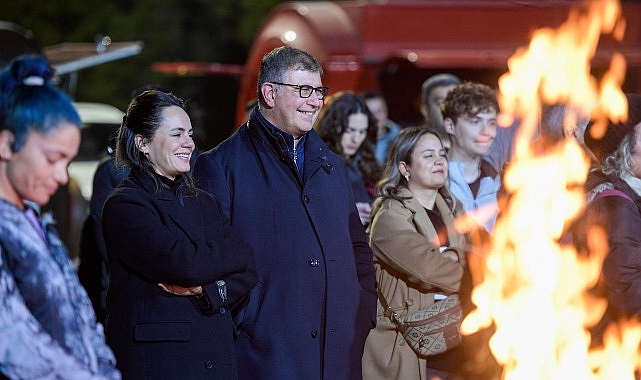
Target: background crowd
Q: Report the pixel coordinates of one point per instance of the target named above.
(282, 251)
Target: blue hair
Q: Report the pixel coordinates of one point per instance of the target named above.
(29, 102)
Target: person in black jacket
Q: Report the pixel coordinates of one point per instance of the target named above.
(613, 192)
(177, 268)
(93, 270)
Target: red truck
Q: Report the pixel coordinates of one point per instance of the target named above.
(393, 46)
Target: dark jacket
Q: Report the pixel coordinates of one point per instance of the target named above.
(93, 270)
(169, 236)
(315, 301)
(619, 217)
(361, 193)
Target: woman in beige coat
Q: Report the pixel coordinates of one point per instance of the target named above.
(419, 256)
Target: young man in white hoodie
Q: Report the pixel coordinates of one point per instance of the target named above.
(469, 118)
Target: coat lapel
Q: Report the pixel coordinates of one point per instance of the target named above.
(424, 224)
(421, 220)
(181, 215)
(453, 236)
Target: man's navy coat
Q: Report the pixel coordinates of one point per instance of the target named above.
(315, 301)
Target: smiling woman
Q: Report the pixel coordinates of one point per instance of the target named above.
(419, 255)
(170, 149)
(176, 266)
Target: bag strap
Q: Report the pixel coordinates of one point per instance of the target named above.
(388, 310)
(568, 237)
(612, 193)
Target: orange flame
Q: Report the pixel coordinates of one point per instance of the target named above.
(533, 289)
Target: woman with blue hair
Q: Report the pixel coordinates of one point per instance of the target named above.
(47, 326)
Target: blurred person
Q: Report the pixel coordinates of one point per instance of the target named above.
(502, 149)
(249, 107)
(48, 328)
(469, 117)
(613, 193)
(386, 128)
(93, 270)
(433, 93)
(177, 268)
(348, 128)
(419, 255)
(554, 127)
(289, 196)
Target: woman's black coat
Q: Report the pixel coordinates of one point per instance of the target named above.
(167, 236)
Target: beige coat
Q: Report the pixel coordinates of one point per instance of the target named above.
(409, 269)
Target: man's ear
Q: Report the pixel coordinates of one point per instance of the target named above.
(268, 92)
(448, 125)
(6, 140)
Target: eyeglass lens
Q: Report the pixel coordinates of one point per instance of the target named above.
(306, 91)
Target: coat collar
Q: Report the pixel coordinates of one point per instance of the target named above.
(316, 152)
(598, 181)
(169, 191)
(171, 197)
(264, 130)
(633, 182)
(422, 220)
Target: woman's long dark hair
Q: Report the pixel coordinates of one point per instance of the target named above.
(332, 123)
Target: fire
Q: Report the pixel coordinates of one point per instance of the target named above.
(533, 289)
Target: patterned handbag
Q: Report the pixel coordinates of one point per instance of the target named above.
(430, 331)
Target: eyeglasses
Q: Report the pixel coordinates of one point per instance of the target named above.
(305, 91)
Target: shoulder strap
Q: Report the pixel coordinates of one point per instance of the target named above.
(387, 309)
(612, 193)
(568, 237)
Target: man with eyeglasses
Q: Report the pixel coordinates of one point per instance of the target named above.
(289, 196)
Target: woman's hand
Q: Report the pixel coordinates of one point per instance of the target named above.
(364, 212)
(180, 291)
